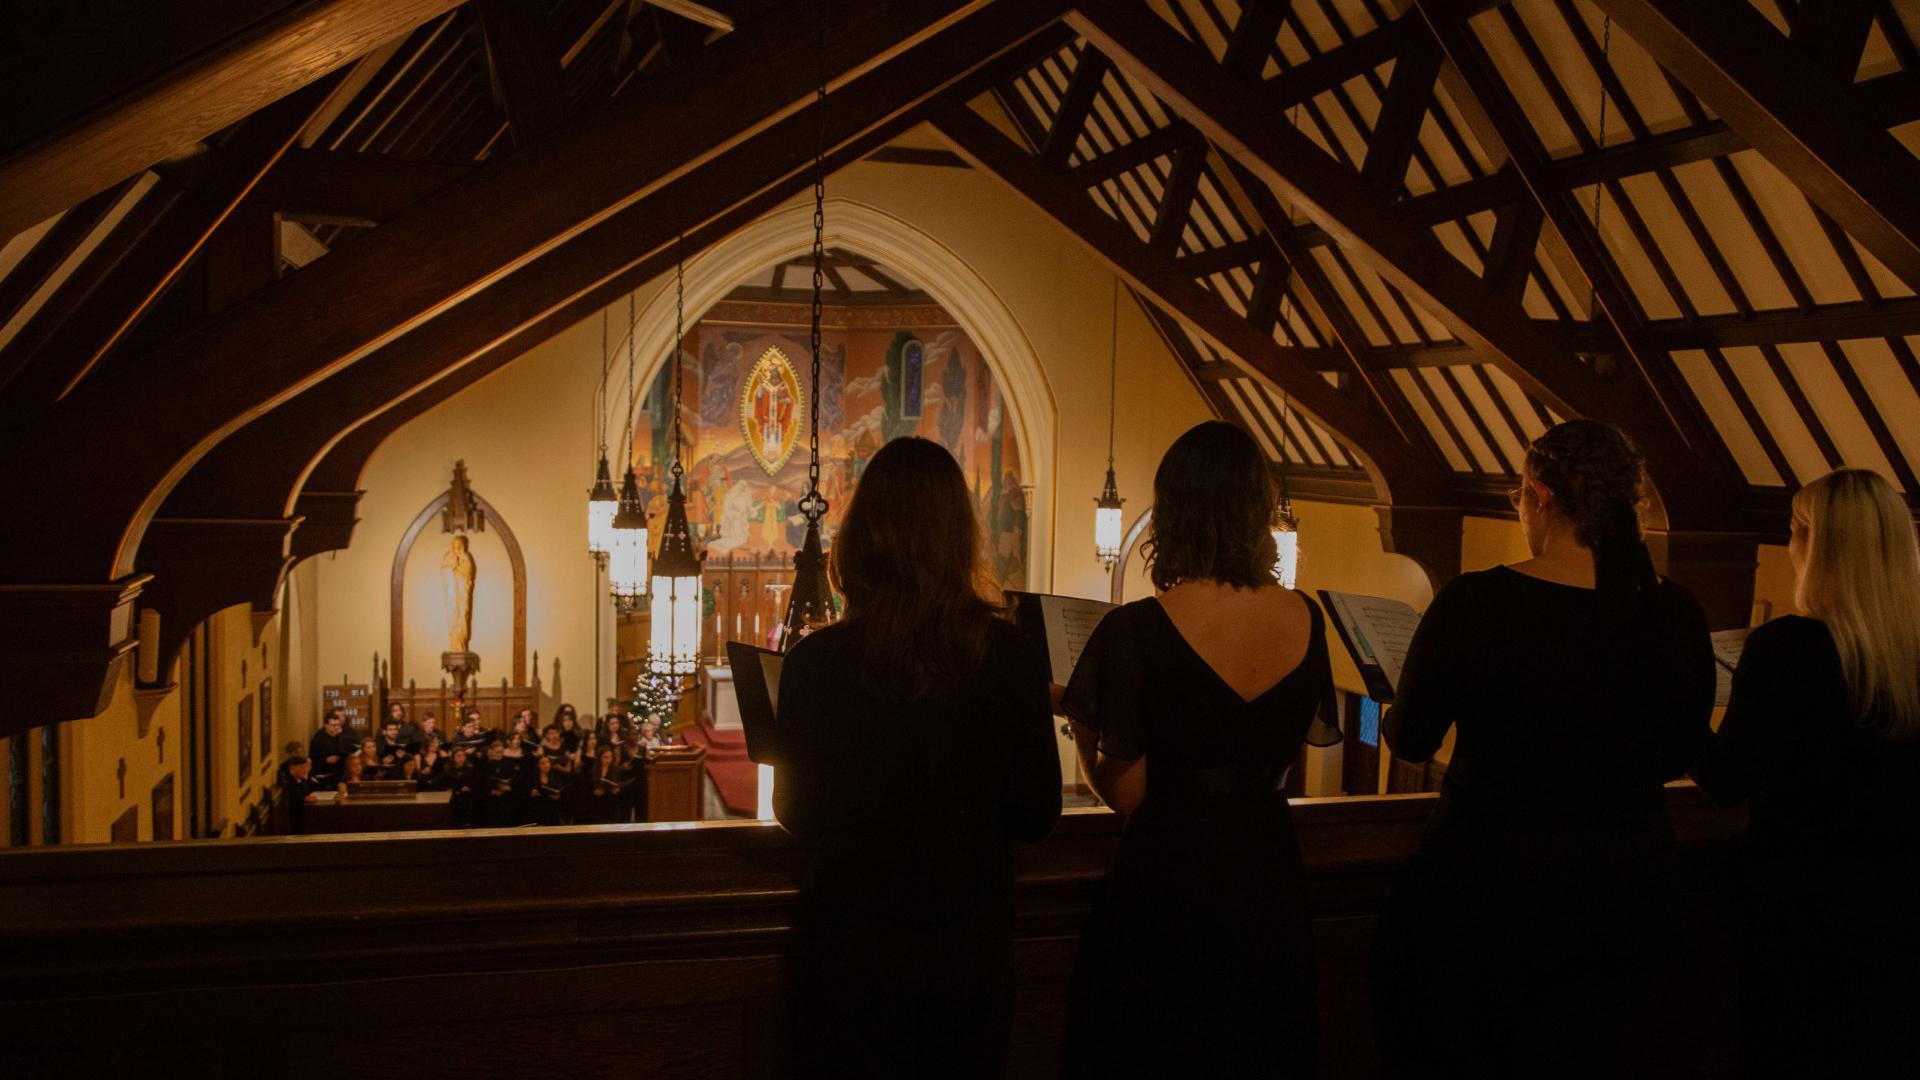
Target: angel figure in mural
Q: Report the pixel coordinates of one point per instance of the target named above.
(456, 574)
(736, 519)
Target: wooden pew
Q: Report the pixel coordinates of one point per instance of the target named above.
(654, 950)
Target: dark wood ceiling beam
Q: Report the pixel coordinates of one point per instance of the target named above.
(427, 261)
(1361, 359)
(1397, 131)
(1071, 116)
(1805, 124)
(54, 247)
(256, 471)
(330, 187)
(1395, 472)
(1833, 33)
(45, 363)
(1408, 256)
(64, 145)
(525, 63)
(1615, 300)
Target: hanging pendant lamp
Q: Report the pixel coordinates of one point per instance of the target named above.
(627, 529)
(1106, 512)
(1286, 527)
(810, 605)
(674, 636)
(602, 501)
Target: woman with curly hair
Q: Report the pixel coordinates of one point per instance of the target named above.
(1524, 937)
(1187, 707)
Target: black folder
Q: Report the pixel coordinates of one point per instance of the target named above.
(756, 685)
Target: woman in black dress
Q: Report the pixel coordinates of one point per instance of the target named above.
(1187, 709)
(1823, 735)
(1526, 935)
(914, 746)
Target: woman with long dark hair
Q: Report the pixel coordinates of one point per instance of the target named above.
(1187, 709)
(915, 745)
(1525, 937)
(1823, 736)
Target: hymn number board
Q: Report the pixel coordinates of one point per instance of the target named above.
(352, 698)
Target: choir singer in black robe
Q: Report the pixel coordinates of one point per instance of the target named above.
(915, 745)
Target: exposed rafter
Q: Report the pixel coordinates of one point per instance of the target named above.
(1803, 118)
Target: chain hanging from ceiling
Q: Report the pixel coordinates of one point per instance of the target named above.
(811, 603)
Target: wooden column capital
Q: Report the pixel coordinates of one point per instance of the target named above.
(1429, 535)
(1718, 567)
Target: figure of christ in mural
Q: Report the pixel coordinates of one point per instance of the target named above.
(457, 574)
(737, 508)
(772, 415)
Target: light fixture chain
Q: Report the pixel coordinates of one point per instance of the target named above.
(679, 331)
(600, 410)
(813, 505)
(1600, 187)
(633, 396)
(1113, 370)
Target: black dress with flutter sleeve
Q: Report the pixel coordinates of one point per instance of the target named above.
(1198, 960)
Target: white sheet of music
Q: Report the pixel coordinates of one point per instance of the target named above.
(1381, 628)
(1727, 647)
(1070, 621)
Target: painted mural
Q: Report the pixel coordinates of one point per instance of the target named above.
(745, 419)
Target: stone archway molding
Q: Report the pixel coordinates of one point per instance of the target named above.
(787, 233)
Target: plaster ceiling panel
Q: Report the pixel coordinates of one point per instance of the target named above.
(1892, 391)
(1776, 411)
(1792, 220)
(1519, 81)
(1522, 407)
(1454, 239)
(1668, 229)
(1632, 259)
(1235, 392)
(1878, 57)
(1219, 210)
(1343, 286)
(1730, 231)
(1883, 279)
(1440, 383)
(1271, 411)
(1511, 444)
(1449, 450)
(1638, 73)
(1724, 414)
(1221, 287)
(1838, 414)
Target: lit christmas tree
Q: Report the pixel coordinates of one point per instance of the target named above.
(655, 696)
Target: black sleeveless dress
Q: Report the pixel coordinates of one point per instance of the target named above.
(1199, 959)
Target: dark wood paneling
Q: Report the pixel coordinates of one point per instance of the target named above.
(114, 958)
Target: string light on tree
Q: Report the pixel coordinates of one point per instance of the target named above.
(1106, 512)
(675, 630)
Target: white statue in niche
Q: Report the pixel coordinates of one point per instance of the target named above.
(456, 573)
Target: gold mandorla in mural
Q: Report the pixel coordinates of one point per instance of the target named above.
(770, 410)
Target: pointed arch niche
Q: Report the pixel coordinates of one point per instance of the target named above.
(861, 229)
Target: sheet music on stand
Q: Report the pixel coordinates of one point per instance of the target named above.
(1727, 647)
(1060, 625)
(1377, 633)
(756, 684)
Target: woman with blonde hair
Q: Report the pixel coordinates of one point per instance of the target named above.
(1823, 736)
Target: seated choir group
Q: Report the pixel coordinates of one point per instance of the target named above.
(562, 774)
(1531, 935)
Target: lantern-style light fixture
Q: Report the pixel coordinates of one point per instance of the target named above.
(1286, 527)
(1106, 512)
(810, 605)
(602, 501)
(674, 645)
(627, 528)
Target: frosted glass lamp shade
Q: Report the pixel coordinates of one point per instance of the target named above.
(1106, 523)
(602, 503)
(675, 644)
(627, 547)
(1286, 567)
